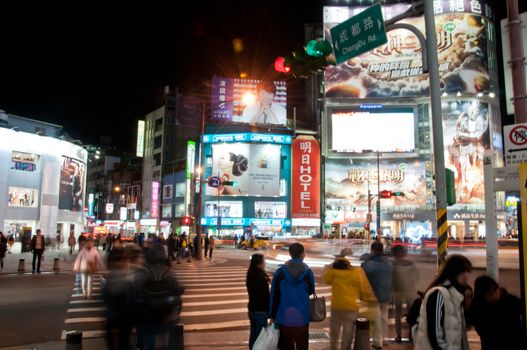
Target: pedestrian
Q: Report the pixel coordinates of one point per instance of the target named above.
(257, 283)
(212, 245)
(10, 242)
(82, 241)
(441, 322)
(87, 263)
(118, 296)
(207, 242)
(291, 287)
(71, 242)
(379, 271)
(38, 246)
(405, 279)
(58, 238)
(3, 248)
(496, 315)
(349, 284)
(171, 246)
(158, 299)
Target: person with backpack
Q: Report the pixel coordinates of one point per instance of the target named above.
(441, 323)
(158, 298)
(348, 285)
(405, 279)
(291, 287)
(496, 315)
(257, 283)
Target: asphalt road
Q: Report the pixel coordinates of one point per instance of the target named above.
(40, 308)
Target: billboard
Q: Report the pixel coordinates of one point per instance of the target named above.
(466, 136)
(22, 197)
(248, 101)
(71, 189)
(24, 161)
(140, 138)
(464, 38)
(393, 129)
(254, 167)
(305, 178)
(154, 204)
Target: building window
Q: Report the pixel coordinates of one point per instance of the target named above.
(180, 189)
(158, 124)
(156, 174)
(270, 210)
(157, 159)
(40, 130)
(157, 141)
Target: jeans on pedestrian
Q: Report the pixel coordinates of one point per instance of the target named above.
(210, 252)
(206, 250)
(294, 338)
(380, 324)
(258, 321)
(342, 320)
(37, 257)
(86, 281)
(399, 299)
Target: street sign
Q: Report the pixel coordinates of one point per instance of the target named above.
(359, 34)
(515, 143)
(214, 182)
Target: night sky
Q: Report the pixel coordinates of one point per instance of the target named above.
(97, 69)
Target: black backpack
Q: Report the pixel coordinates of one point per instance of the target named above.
(158, 297)
(413, 313)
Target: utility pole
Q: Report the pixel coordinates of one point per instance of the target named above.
(437, 126)
(517, 62)
(378, 196)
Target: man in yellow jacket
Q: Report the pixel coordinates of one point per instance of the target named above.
(349, 284)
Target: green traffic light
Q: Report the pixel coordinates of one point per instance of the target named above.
(318, 48)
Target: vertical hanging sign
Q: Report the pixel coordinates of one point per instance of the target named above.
(191, 163)
(305, 178)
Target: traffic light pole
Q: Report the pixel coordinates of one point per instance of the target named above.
(378, 196)
(437, 125)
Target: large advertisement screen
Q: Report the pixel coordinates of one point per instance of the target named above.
(395, 69)
(248, 101)
(71, 190)
(376, 129)
(466, 130)
(255, 169)
(22, 197)
(347, 183)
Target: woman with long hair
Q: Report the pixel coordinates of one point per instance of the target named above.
(496, 315)
(257, 283)
(441, 322)
(88, 262)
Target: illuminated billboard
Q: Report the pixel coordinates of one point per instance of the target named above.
(465, 42)
(369, 129)
(71, 190)
(255, 168)
(140, 138)
(248, 101)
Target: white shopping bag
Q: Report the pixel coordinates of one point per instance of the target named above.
(268, 339)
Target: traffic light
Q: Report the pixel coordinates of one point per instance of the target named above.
(398, 194)
(450, 187)
(305, 61)
(187, 220)
(385, 194)
(367, 227)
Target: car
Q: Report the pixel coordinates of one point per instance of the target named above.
(259, 243)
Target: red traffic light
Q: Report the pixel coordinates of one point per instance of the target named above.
(281, 66)
(367, 227)
(385, 194)
(187, 220)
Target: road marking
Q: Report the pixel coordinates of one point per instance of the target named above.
(76, 295)
(225, 302)
(85, 301)
(207, 284)
(213, 312)
(87, 309)
(216, 279)
(86, 334)
(216, 325)
(85, 320)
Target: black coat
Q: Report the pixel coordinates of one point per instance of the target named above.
(258, 288)
(499, 325)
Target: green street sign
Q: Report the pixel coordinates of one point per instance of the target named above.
(359, 34)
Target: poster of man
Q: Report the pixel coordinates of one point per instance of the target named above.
(72, 176)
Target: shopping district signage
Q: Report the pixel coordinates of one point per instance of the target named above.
(245, 222)
(248, 137)
(305, 178)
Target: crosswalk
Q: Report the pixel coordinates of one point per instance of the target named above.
(215, 299)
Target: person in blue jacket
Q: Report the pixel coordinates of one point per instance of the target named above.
(292, 285)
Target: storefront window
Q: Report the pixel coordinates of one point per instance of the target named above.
(180, 189)
(22, 197)
(180, 210)
(24, 161)
(270, 210)
(229, 209)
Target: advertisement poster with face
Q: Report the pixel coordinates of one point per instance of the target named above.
(255, 168)
(466, 130)
(71, 190)
(347, 185)
(249, 101)
(395, 69)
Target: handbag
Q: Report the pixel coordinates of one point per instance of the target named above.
(318, 308)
